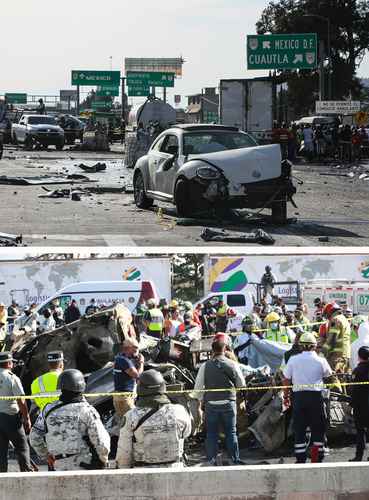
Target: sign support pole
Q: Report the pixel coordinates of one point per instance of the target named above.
(123, 98)
(164, 94)
(77, 103)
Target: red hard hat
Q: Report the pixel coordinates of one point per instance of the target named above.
(231, 312)
(329, 309)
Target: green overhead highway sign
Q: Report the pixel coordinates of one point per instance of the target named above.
(101, 78)
(150, 78)
(107, 91)
(16, 98)
(138, 91)
(100, 104)
(292, 51)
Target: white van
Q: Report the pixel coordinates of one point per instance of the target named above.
(129, 293)
(240, 302)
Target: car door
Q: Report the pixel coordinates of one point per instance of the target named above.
(21, 130)
(153, 162)
(167, 169)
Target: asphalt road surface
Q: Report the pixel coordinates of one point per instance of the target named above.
(333, 209)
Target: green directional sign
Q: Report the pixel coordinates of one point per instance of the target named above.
(292, 51)
(150, 78)
(101, 78)
(138, 91)
(100, 104)
(107, 91)
(16, 98)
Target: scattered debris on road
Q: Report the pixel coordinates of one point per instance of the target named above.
(98, 167)
(42, 179)
(257, 236)
(10, 240)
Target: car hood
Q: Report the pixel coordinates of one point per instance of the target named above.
(45, 126)
(247, 165)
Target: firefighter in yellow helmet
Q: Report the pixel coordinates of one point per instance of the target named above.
(337, 347)
(276, 331)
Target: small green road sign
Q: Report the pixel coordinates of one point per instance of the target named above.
(138, 91)
(101, 105)
(150, 78)
(16, 98)
(92, 78)
(292, 51)
(107, 91)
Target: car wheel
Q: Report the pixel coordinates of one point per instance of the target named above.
(279, 211)
(141, 200)
(15, 140)
(59, 147)
(28, 143)
(182, 197)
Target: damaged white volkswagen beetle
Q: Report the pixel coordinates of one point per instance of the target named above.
(202, 167)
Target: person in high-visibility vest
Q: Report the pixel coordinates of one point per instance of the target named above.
(277, 332)
(47, 383)
(222, 319)
(154, 319)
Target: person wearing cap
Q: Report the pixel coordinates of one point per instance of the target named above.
(14, 417)
(234, 322)
(242, 342)
(153, 319)
(277, 332)
(337, 347)
(301, 319)
(72, 313)
(153, 432)
(306, 372)
(68, 433)
(360, 401)
(220, 406)
(48, 382)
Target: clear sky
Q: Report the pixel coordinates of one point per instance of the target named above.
(43, 40)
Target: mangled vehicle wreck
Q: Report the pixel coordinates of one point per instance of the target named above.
(202, 167)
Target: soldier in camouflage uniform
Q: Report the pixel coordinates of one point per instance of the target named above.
(154, 431)
(69, 432)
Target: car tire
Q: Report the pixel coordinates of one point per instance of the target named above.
(183, 199)
(59, 147)
(279, 211)
(139, 193)
(28, 143)
(15, 140)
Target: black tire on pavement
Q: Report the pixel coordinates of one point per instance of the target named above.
(183, 199)
(59, 147)
(28, 143)
(139, 193)
(279, 211)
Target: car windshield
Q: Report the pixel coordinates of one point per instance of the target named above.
(195, 143)
(37, 120)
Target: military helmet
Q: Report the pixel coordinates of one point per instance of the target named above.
(247, 320)
(151, 303)
(188, 305)
(72, 380)
(150, 383)
(272, 317)
(308, 338)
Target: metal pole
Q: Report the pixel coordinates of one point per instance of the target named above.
(123, 80)
(330, 66)
(164, 94)
(321, 71)
(77, 107)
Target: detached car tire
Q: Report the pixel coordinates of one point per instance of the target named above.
(139, 193)
(183, 199)
(279, 211)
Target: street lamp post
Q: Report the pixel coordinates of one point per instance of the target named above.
(328, 21)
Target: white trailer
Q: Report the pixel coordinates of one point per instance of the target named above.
(248, 105)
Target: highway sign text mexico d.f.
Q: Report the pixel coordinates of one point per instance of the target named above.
(149, 78)
(101, 78)
(292, 51)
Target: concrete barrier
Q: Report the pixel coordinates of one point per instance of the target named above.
(276, 482)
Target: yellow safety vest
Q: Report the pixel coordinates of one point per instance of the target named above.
(44, 384)
(156, 320)
(278, 336)
(222, 311)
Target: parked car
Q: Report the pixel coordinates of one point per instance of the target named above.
(199, 167)
(33, 130)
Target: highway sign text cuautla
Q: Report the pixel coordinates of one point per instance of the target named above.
(92, 78)
(292, 51)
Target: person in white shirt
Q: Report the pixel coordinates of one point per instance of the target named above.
(363, 340)
(47, 322)
(305, 372)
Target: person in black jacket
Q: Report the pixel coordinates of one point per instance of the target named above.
(360, 402)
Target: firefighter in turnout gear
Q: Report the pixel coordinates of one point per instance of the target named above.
(337, 347)
(276, 331)
(154, 320)
(154, 431)
(69, 433)
(48, 382)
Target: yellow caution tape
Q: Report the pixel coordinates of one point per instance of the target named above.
(191, 391)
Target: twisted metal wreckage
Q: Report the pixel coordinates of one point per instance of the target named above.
(90, 344)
